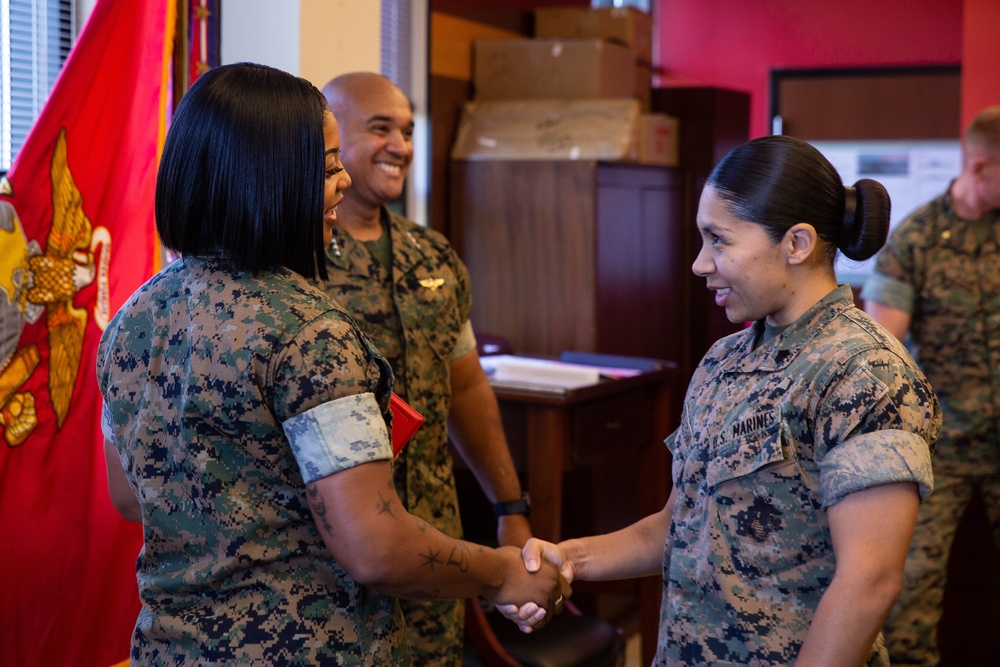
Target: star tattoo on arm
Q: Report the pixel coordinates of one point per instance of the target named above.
(385, 505)
(430, 558)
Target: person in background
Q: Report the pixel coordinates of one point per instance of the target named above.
(410, 294)
(245, 414)
(805, 440)
(937, 282)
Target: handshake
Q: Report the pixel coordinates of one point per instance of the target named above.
(541, 586)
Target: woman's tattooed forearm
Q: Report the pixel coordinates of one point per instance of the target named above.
(318, 506)
(458, 556)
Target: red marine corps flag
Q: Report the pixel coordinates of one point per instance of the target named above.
(77, 237)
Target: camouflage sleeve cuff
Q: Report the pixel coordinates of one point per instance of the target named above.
(872, 459)
(890, 292)
(466, 341)
(338, 435)
(107, 424)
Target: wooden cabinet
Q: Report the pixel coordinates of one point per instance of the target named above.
(571, 255)
(711, 122)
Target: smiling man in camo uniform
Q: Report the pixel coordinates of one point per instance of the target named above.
(410, 294)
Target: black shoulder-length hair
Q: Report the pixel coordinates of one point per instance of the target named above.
(242, 172)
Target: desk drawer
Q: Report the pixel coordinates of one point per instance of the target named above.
(606, 427)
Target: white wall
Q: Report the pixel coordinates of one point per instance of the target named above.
(338, 36)
(315, 39)
(83, 9)
(260, 31)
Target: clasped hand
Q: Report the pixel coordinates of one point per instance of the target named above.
(539, 556)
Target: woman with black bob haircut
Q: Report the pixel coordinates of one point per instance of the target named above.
(242, 184)
(246, 416)
(804, 444)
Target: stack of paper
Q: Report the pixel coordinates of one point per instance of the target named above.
(527, 373)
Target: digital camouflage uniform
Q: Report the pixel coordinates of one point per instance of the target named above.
(224, 394)
(417, 316)
(769, 439)
(945, 272)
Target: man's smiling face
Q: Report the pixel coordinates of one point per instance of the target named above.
(377, 142)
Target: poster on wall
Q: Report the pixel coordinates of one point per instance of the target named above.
(913, 172)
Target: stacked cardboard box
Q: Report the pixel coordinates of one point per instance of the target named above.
(506, 69)
(657, 140)
(627, 26)
(548, 129)
(624, 25)
(572, 92)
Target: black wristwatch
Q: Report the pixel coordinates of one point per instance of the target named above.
(520, 506)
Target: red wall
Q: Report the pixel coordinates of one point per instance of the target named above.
(980, 57)
(735, 44)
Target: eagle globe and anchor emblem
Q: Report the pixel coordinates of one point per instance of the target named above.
(36, 282)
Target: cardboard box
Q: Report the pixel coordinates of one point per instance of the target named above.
(509, 69)
(624, 25)
(657, 139)
(643, 86)
(596, 129)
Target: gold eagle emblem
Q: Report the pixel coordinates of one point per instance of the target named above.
(431, 283)
(54, 277)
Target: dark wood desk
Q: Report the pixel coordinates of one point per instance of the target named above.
(614, 426)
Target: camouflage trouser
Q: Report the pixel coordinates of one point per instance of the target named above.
(436, 631)
(911, 631)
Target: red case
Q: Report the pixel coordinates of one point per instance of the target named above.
(405, 422)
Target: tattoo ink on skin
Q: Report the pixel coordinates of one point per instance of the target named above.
(430, 558)
(318, 506)
(385, 506)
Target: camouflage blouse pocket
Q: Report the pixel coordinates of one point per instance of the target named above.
(765, 507)
(948, 305)
(432, 313)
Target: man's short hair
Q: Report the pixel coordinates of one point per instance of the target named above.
(984, 130)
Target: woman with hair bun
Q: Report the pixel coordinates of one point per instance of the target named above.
(804, 445)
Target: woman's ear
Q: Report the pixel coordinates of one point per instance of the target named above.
(801, 240)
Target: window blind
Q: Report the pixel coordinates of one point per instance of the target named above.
(35, 38)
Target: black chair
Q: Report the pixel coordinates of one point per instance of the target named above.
(571, 639)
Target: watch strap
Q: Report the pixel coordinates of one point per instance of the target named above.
(520, 506)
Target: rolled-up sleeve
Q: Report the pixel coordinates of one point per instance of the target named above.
(466, 341)
(890, 292)
(873, 459)
(878, 426)
(338, 435)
